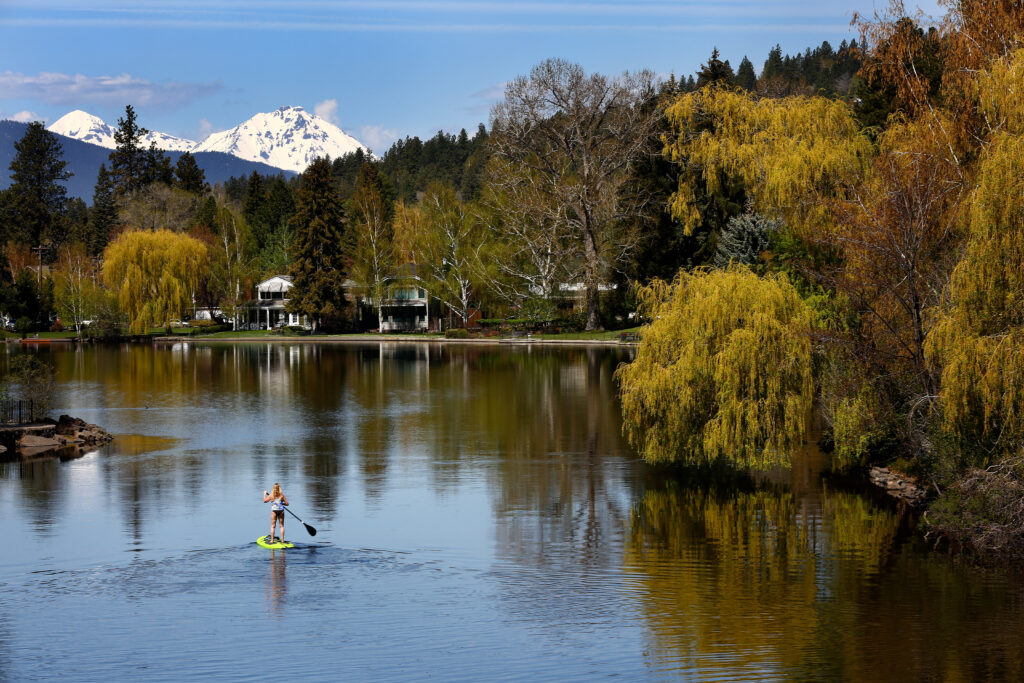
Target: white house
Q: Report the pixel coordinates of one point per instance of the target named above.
(266, 311)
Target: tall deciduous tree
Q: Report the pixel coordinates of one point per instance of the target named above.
(578, 134)
(446, 249)
(318, 247)
(724, 371)
(529, 254)
(372, 237)
(155, 274)
(36, 201)
(74, 285)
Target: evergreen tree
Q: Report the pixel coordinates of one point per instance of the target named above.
(773, 66)
(254, 196)
(156, 167)
(188, 175)
(36, 202)
(103, 216)
(744, 238)
(318, 257)
(128, 159)
(715, 71)
(745, 76)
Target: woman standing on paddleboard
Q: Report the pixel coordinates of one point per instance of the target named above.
(276, 496)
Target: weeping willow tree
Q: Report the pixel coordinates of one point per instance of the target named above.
(155, 275)
(979, 336)
(724, 371)
(789, 152)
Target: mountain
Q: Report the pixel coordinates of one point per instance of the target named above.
(84, 126)
(288, 138)
(84, 159)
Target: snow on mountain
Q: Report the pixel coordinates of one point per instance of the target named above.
(289, 138)
(84, 126)
(168, 142)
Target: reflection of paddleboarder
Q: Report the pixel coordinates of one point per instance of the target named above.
(277, 584)
(278, 501)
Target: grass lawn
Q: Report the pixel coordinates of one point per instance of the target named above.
(604, 335)
(66, 334)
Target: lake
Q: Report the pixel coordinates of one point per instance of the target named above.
(479, 517)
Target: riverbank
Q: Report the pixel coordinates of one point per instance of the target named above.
(573, 339)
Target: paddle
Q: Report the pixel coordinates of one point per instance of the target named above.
(311, 530)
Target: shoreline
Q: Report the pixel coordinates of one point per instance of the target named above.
(362, 339)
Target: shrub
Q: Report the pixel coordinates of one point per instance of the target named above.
(456, 333)
(984, 509)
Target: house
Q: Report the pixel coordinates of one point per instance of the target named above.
(267, 310)
(407, 308)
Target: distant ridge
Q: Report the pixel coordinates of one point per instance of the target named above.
(84, 159)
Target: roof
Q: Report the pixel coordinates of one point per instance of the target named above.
(278, 283)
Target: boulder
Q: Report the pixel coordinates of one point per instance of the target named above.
(79, 431)
(33, 441)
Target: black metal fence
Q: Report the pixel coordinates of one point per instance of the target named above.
(15, 411)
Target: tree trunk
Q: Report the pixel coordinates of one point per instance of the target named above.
(592, 282)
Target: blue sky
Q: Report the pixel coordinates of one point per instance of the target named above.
(379, 69)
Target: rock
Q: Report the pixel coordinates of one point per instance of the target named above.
(81, 431)
(3, 450)
(33, 441)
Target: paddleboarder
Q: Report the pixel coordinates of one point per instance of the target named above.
(278, 501)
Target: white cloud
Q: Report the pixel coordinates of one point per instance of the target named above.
(77, 89)
(484, 99)
(377, 138)
(25, 116)
(328, 110)
(205, 129)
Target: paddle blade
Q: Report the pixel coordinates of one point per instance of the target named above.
(311, 530)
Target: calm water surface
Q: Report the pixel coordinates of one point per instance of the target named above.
(479, 517)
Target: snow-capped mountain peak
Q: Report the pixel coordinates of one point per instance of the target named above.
(288, 137)
(83, 126)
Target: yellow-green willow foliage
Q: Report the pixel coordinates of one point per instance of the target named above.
(979, 336)
(154, 274)
(723, 372)
(744, 572)
(788, 152)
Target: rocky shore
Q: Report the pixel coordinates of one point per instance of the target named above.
(65, 436)
(897, 485)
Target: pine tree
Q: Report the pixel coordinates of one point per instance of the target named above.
(156, 167)
(103, 216)
(318, 257)
(744, 238)
(188, 176)
(128, 159)
(745, 76)
(36, 202)
(715, 71)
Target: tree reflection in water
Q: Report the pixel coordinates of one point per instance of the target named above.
(745, 578)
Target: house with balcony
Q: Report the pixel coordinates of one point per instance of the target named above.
(267, 310)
